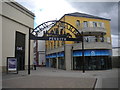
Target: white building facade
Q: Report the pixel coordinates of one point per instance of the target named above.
(16, 21)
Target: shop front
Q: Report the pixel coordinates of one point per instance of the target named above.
(55, 60)
(94, 60)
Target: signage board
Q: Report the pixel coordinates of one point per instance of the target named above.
(54, 38)
(92, 53)
(12, 65)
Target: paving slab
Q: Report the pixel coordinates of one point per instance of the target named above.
(49, 77)
(48, 82)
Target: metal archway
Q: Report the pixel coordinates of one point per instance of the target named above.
(46, 26)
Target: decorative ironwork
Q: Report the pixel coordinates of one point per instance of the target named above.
(61, 35)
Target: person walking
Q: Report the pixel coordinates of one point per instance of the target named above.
(34, 64)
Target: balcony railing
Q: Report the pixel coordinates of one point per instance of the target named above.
(90, 30)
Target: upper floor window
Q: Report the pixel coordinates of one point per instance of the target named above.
(54, 44)
(103, 26)
(51, 45)
(58, 44)
(85, 24)
(94, 24)
(90, 39)
(100, 24)
(61, 31)
(52, 32)
(62, 43)
(57, 32)
(102, 38)
(77, 23)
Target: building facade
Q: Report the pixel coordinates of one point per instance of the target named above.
(39, 52)
(97, 44)
(16, 21)
(115, 57)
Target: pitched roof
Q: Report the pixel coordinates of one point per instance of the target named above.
(77, 14)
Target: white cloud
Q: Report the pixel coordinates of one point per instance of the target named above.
(46, 10)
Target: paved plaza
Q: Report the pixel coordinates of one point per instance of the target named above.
(53, 78)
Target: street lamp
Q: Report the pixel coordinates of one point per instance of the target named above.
(83, 57)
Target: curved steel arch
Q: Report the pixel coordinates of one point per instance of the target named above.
(49, 24)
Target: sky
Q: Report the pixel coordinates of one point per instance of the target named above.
(46, 10)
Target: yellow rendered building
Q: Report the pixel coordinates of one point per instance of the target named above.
(97, 44)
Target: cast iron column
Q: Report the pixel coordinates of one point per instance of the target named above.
(83, 53)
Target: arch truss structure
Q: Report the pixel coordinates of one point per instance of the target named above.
(42, 32)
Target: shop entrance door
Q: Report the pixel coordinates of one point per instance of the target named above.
(20, 50)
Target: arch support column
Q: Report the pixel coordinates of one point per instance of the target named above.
(68, 58)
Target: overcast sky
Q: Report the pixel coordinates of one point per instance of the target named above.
(103, 9)
(46, 10)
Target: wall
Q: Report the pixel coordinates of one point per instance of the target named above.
(0, 45)
(115, 58)
(42, 58)
(116, 61)
(68, 57)
(12, 11)
(72, 20)
(12, 21)
(0, 36)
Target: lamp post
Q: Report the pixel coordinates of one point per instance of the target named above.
(37, 62)
(29, 53)
(83, 57)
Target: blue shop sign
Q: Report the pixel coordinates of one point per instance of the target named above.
(93, 53)
(55, 55)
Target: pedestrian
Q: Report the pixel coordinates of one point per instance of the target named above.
(34, 64)
(42, 63)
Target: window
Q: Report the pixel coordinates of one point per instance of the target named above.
(90, 39)
(90, 23)
(94, 24)
(58, 44)
(103, 25)
(61, 32)
(86, 39)
(54, 44)
(51, 45)
(52, 32)
(62, 42)
(57, 32)
(76, 41)
(85, 24)
(77, 23)
(100, 24)
(96, 38)
(108, 39)
(102, 38)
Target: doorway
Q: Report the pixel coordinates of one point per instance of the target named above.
(20, 50)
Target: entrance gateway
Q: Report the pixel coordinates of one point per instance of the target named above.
(43, 29)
